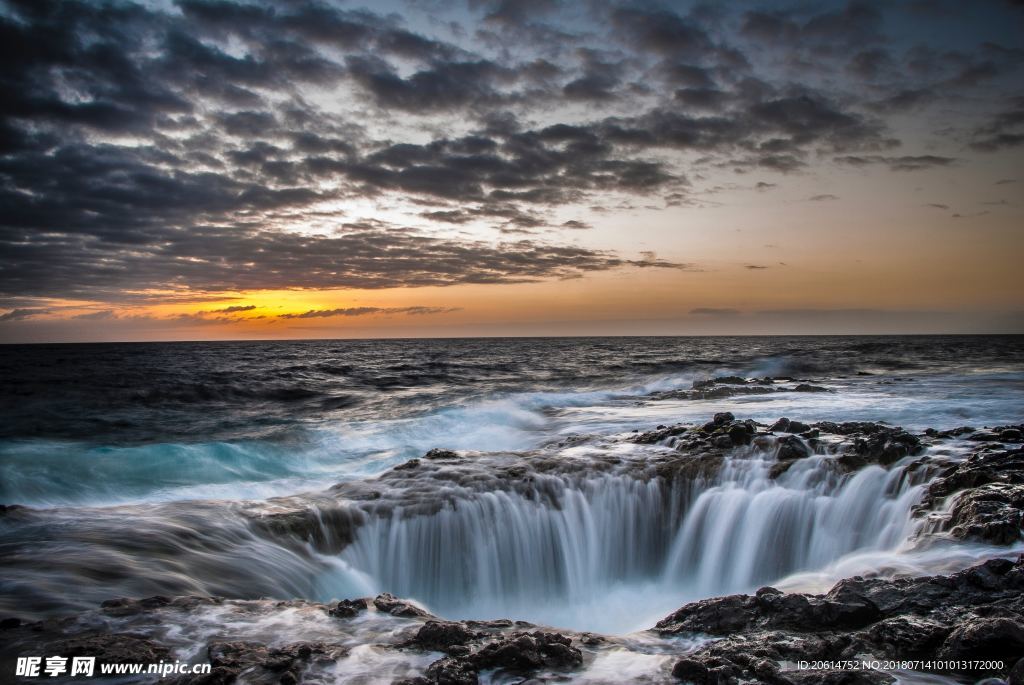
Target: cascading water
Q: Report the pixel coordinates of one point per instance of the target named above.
(611, 552)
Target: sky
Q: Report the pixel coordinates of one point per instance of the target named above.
(215, 169)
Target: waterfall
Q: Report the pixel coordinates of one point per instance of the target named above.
(618, 549)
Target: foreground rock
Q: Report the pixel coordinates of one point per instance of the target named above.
(972, 616)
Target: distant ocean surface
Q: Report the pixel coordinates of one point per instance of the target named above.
(104, 423)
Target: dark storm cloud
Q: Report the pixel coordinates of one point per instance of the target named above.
(854, 25)
(900, 163)
(148, 146)
(212, 258)
(443, 86)
(1004, 130)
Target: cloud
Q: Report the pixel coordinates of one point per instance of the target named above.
(575, 224)
(936, 205)
(823, 197)
(21, 314)
(230, 310)
(714, 311)
(901, 163)
(100, 315)
(1002, 131)
(755, 267)
(209, 145)
(366, 311)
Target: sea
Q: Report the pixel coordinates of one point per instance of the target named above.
(144, 468)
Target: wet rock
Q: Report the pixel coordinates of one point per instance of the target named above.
(407, 465)
(329, 529)
(913, 636)
(348, 608)
(720, 380)
(741, 432)
(975, 614)
(441, 636)
(1011, 435)
(807, 387)
(691, 671)
(262, 664)
(390, 604)
(659, 434)
(791, 448)
(450, 671)
(722, 418)
(109, 649)
(529, 651)
(991, 508)
(884, 445)
(985, 638)
(438, 453)
(123, 606)
(993, 513)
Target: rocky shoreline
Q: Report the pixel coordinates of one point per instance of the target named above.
(955, 620)
(974, 616)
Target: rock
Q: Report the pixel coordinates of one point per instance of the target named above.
(390, 604)
(1017, 673)
(722, 418)
(449, 671)
(791, 448)
(722, 441)
(109, 649)
(348, 608)
(262, 664)
(659, 434)
(440, 636)
(720, 380)
(780, 426)
(529, 651)
(985, 638)
(806, 387)
(913, 636)
(992, 512)
(691, 671)
(1010, 435)
(974, 614)
(438, 453)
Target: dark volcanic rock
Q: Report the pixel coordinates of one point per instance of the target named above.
(109, 649)
(807, 387)
(451, 671)
(517, 653)
(991, 508)
(975, 614)
(390, 604)
(262, 664)
(348, 608)
(529, 651)
(438, 453)
(659, 434)
(442, 635)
